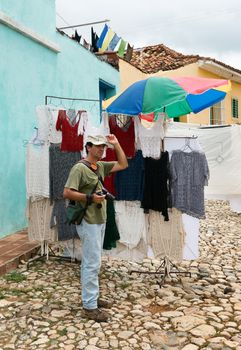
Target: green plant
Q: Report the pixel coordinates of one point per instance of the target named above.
(15, 277)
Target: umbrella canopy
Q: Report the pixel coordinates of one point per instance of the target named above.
(176, 96)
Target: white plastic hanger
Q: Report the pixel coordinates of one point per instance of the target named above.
(35, 141)
(187, 145)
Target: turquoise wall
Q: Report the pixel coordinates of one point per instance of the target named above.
(29, 72)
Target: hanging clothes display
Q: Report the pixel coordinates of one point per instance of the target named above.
(139, 221)
(93, 128)
(124, 253)
(156, 191)
(72, 141)
(39, 214)
(58, 219)
(46, 118)
(111, 230)
(149, 139)
(60, 164)
(177, 139)
(132, 244)
(109, 181)
(37, 171)
(191, 227)
(123, 128)
(166, 238)
(131, 213)
(189, 174)
(129, 183)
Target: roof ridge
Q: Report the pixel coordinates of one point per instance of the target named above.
(159, 57)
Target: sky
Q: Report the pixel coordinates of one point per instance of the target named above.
(210, 28)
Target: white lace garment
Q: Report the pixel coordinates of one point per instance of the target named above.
(131, 223)
(149, 139)
(46, 119)
(37, 171)
(38, 214)
(166, 238)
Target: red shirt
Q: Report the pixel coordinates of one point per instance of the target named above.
(125, 135)
(109, 181)
(71, 141)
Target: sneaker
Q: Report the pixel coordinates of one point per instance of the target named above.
(95, 314)
(105, 304)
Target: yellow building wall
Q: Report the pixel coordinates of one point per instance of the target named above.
(129, 74)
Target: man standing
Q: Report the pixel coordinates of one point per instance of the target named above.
(82, 180)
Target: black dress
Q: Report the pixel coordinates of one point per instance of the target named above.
(156, 189)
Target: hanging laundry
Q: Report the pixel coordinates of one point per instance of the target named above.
(156, 192)
(94, 40)
(109, 35)
(125, 133)
(136, 230)
(114, 41)
(102, 36)
(58, 220)
(60, 164)
(111, 230)
(76, 36)
(46, 120)
(189, 174)
(37, 171)
(129, 53)
(149, 139)
(85, 44)
(191, 245)
(71, 140)
(39, 214)
(121, 49)
(129, 183)
(166, 238)
(109, 181)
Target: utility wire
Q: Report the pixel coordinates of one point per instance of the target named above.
(175, 21)
(85, 24)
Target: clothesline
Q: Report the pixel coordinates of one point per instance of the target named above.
(68, 98)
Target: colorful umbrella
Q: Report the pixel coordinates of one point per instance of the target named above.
(176, 96)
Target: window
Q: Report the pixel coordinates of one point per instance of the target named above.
(235, 112)
(217, 114)
(106, 91)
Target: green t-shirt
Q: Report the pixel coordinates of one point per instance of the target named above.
(83, 179)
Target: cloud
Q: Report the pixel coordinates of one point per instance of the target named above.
(210, 26)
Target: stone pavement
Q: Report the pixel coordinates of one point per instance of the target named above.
(40, 307)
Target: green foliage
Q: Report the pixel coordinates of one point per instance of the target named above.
(15, 277)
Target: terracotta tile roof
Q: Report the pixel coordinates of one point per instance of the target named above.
(151, 59)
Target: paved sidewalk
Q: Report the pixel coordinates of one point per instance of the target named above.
(40, 306)
(15, 248)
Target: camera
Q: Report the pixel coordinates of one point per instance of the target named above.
(107, 195)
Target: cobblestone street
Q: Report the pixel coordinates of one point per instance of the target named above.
(40, 308)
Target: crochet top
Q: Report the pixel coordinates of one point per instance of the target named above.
(129, 183)
(124, 131)
(60, 164)
(189, 174)
(149, 139)
(71, 140)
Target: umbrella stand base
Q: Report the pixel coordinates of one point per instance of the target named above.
(166, 269)
(46, 252)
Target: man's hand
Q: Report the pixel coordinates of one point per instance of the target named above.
(96, 198)
(112, 139)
